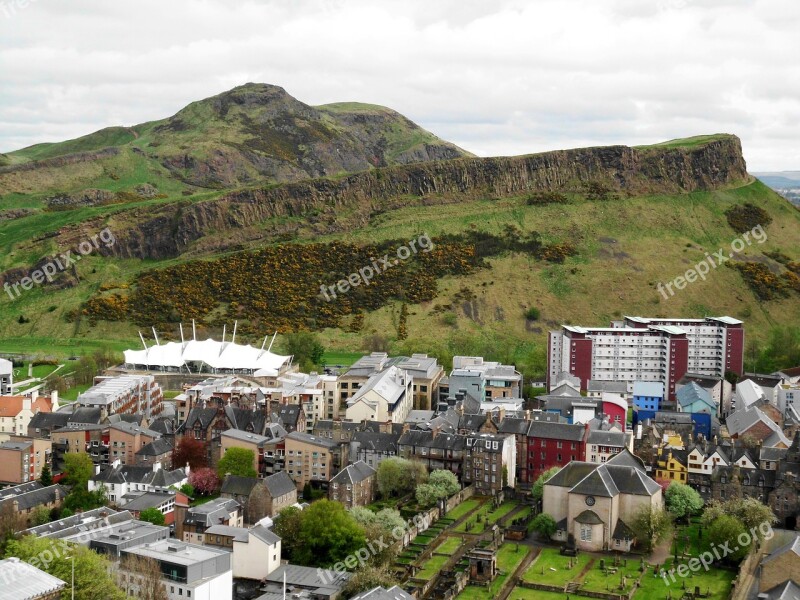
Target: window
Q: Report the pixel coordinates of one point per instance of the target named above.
(586, 533)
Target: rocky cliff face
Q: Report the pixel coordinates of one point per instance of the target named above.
(174, 228)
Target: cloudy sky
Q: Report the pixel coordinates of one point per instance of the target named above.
(496, 77)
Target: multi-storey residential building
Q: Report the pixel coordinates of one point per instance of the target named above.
(233, 438)
(189, 570)
(426, 373)
(373, 447)
(90, 439)
(314, 392)
(602, 444)
(648, 395)
(16, 412)
(386, 396)
(157, 451)
(6, 376)
(359, 372)
(22, 459)
(126, 394)
(643, 349)
(126, 439)
(27, 497)
(554, 445)
(119, 480)
(309, 458)
(484, 380)
(490, 462)
(355, 485)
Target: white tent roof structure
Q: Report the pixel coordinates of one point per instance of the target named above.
(208, 355)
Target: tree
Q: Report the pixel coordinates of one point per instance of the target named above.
(389, 519)
(191, 451)
(368, 578)
(78, 468)
(445, 479)
(428, 494)
(46, 478)
(236, 461)
(544, 525)
(85, 370)
(92, 571)
(398, 476)
(140, 577)
(682, 501)
(10, 523)
(287, 527)
(187, 488)
(40, 515)
(650, 526)
(752, 514)
(537, 490)
(329, 535)
(724, 532)
(152, 515)
(363, 516)
(305, 348)
(204, 481)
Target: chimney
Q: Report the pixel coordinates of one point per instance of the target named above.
(26, 403)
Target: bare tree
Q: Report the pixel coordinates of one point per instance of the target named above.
(140, 576)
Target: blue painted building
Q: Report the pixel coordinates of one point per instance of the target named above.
(648, 395)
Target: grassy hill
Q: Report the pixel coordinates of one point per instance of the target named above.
(582, 236)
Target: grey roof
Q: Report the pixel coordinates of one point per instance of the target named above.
(239, 534)
(280, 484)
(427, 439)
(140, 474)
(244, 436)
(37, 497)
(86, 414)
(23, 581)
(245, 419)
(15, 445)
(792, 546)
(235, 485)
(472, 422)
(788, 590)
(125, 418)
(376, 441)
(624, 458)
(210, 513)
(614, 387)
(773, 454)
(597, 483)
(420, 416)
(692, 393)
(139, 501)
(556, 431)
(514, 426)
(381, 593)
(311, 439)
(157, 447)
(90, 519)
(20, 489)
(606, 480)
(309, 578)
(203, 416)
(52, 420)
(606, 438)
(265, 535)
(163, 425)
(622, 531)
(133, 429)
(355, 473)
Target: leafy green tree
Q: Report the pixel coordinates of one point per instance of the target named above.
(752, 514)
(398, 476)
(428, 494)
(237, 461)
(725, 532)
(78, 468)
(363, 516)
(682, 501)
(329, 535)
(152, 515)
(92, 571)
(46, 478)
(389, 519)
(537, 490)
(650, 526)
(544, 525)
(287, 527)
(306, 349)
(41, 515)
(446, 480)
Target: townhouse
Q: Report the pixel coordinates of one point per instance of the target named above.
(386, 396)
(16, 413)
(22, 459)
(309, 459)
(554, 445)
(355, 485)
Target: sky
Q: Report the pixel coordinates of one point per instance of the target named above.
(497, 77)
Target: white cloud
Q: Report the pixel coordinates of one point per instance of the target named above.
(505, 77)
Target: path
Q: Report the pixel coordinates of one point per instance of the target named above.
(515, 577)
(661, 553)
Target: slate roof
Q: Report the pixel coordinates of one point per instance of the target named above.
(20, 489)
(139, 474)
(427, 439)
(210, 513)
(239, 534)
(36, 497)
(44, 420)
(614, 387)
(204, 416)
(139, 501)
(355, 473)
(472, 422)
(556, 431)
(624, 458)
(163, 425)
(597, 483)
(691, 393)
(514, 426)
(622, 531)
(605, 480)
(155, 448)
(606, 438)
(236, 485)
(133, 429)
(265, 535)
(245, 419)
(288, 414)
(307, 438)
(279, 484)
(377, 442)
(246, 436)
